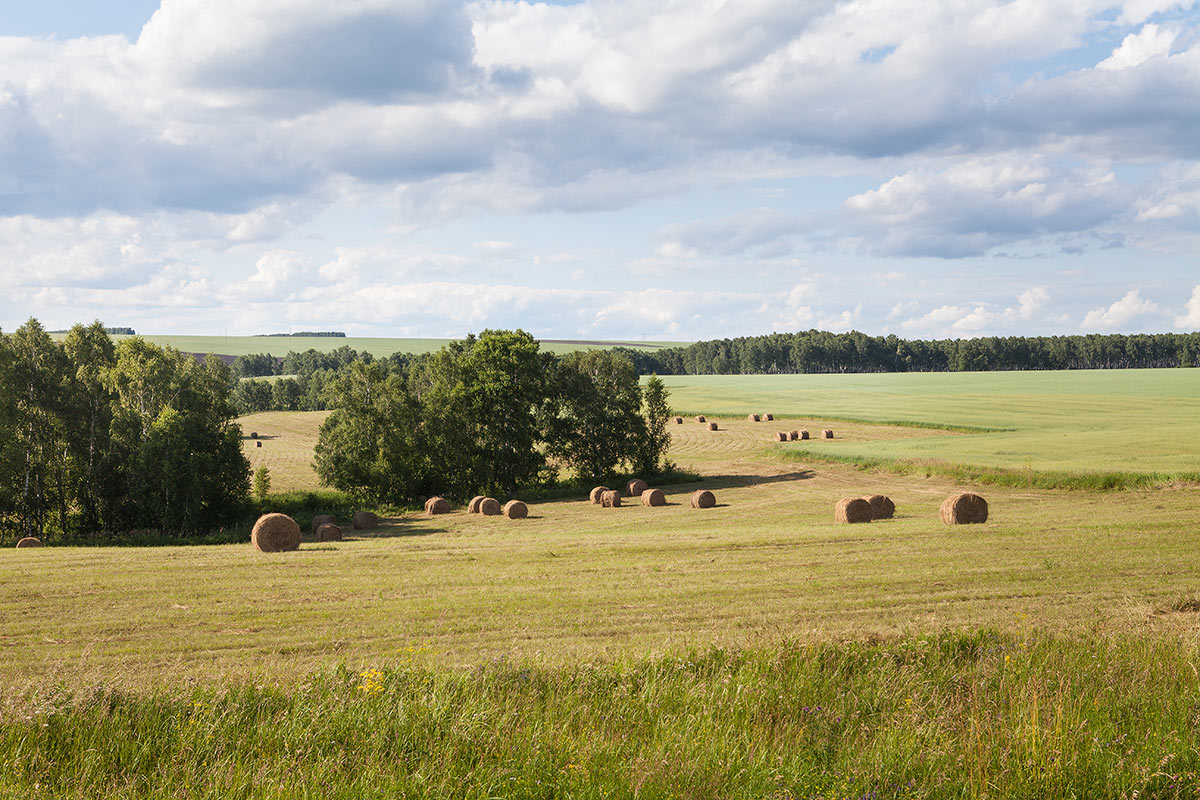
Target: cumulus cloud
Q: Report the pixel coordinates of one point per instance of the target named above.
(1119, 314)
(978, 204)
(1139, 47)
(1190, 320)
(762, 230)
(978, 319)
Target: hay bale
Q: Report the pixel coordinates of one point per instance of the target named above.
(329, 533)
(769, 417)
(700, 418)
(654, 497)
(793, 435)
(752, 417)
(712, 426)
(703, 498)
(489, 507)
(438, 505)
(964, 509)
(29, 541)
(515, 509)
(258, 444)
(828, 434)
(803, 434)
(274, 533)
(473, 506)
(635, 487)
(882, 506)
(852, 509)
(679, 420)
(782, 436)
(610, 499)
(596, 494)
(364, 521)
(322, 519)
(253, 434)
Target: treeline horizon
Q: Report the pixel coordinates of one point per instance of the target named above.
(815, 351)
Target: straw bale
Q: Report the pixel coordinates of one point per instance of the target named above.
(274, 533)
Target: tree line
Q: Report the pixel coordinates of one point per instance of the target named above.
(99, 436)
(816, 351)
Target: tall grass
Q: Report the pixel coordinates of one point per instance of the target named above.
(954, 715)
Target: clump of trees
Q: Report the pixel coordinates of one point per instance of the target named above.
(101, 436)
(488, 415)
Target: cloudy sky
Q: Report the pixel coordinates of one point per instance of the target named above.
(602, 169)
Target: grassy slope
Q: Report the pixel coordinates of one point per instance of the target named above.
(1135, 420)
(377, 346)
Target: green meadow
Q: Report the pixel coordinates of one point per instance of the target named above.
(756, 649)
(1087, 421)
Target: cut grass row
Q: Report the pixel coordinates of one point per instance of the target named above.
(950, 716)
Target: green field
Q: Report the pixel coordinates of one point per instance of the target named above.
(661, 652)
(380, 347)
(1091, 421)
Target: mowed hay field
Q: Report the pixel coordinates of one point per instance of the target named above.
(575, 581)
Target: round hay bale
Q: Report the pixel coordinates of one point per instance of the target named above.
(700, 418)
(253, 434)
(29, 541)
(438, 505)
(597, 493)
(258, 444)
(769, 417)
(329, 533)
(322, 519)
(635, 487)
(882, 506)
(828, 434)
(364, 521)
(489, 507)
(752, 417)
(703, 498)
(712, 426)
(610, 499)
(782, 436)
(473, 506)
(654, 497)
(679, 420)
(274, 533)
(803, 434)
(793, 435)
(964, 509)
(515, 509)
(852, 509)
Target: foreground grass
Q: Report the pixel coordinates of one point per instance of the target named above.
(956, 715)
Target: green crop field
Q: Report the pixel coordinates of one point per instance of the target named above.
(756, 649)
(1089, 421)
(380, 347)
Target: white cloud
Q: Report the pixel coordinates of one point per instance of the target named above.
(1120, 313)
(1190, 320)
(1139, 47)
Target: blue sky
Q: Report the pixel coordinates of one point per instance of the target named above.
(601, 169)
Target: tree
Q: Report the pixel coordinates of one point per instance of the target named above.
(652, 452)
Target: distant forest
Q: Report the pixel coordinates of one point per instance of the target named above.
(331, 334)
(823, 352)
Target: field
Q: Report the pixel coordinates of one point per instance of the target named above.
(756, 649)
(380, 347)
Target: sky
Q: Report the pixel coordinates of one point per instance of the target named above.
(645, 169)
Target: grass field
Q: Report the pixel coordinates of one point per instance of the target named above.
(1089, 421)
(756, 649)
(380, 347)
